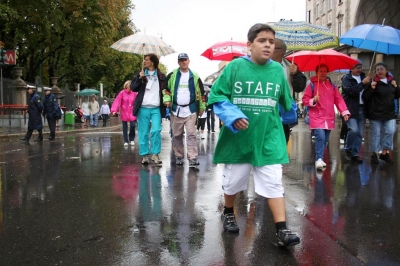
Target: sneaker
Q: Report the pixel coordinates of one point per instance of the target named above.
(132, 143)
(374, 158)
(312, 137)
(286, 238)
(385, 157)
(193, 163)
(319, 164)
(229, 223)
(156, 159)
(213, 131)
(202, 136)
(126, 144)
(341, 141)
(179, 161)
(145, 159)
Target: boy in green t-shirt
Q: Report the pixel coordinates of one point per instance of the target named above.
(246, 98)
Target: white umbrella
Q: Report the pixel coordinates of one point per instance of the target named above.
(143, 44)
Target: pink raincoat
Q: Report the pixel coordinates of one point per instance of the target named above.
(124, 105)
(322, 114)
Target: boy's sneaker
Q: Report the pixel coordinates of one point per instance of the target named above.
(156, 159)
(179, 161)
(385, 157)
(229, 223)
(145, 159)
(374, 158)
(126, 144)
(132, 143)
(341, 141)
(319, 164)
(193, 163)
(286, 238)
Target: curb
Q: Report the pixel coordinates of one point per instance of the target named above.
(12, 136)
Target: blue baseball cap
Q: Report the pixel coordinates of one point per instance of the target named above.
(183, 56)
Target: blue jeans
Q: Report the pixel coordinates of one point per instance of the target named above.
(132, 125)
(149, 126)
(355, 133)
(321, 138)
(94, 120)
(384, 142)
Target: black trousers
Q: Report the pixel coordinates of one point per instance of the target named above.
(210, 116)
(52, 126)
(30, 131)
(286, 130)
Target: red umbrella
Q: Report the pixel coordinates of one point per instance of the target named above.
(309, 60)
(226, 51)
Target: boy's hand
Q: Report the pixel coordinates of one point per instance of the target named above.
(241, 124)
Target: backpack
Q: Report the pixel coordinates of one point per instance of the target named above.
(307, 118)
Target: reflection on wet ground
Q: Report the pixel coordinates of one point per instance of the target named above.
(87, 200)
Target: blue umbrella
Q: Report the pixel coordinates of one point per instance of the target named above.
(373, 37)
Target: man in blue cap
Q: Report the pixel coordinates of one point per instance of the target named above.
(184, 94)
(353, 85)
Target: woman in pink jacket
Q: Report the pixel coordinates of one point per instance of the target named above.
(320, 96)
(124, 105)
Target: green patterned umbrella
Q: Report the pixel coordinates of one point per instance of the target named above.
(143, 44)
(301, 35)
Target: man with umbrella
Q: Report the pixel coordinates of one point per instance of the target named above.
(35, 109)
(353, 85)
(296, 79)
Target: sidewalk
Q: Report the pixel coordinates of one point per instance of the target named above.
(10, 133)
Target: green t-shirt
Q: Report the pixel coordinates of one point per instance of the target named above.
(256, 90)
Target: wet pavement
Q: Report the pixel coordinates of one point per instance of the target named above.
(84, 199)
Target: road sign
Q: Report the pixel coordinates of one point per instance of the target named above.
(10, 57)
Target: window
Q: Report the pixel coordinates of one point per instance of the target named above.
(330, 4)
(323, 7)
(339, 29)
(340, 1)
(309, 16)
(318, 11)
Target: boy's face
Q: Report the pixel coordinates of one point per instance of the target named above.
(262, 47)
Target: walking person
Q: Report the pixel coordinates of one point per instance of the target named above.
(296, 79)
(184, 93)
(210, 112)
(94, 112)
(50, 111)
(353, 85)
(201, 123)
(35, 109)
(123, 104)
(379, 98)
(104, 112)
(149, 108)
(321, 96)
(86, 111)
(245, 98)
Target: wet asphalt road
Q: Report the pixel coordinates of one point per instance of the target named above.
(84, 199)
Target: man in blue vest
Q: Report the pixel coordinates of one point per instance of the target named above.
(51, 111)
(184, 94)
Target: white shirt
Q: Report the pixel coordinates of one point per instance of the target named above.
(151, 96)
(358, 78)
(85, 108)
(183, 96)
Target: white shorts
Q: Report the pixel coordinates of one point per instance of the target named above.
(267, 179)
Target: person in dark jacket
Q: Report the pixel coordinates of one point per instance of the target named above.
(35, 109)
(51, 111)
(380, 110)
(353, 85)
(149, 108)
(296, 79)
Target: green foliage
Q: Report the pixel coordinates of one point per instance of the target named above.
(70, 39)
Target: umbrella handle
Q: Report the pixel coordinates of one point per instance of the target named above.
(370, 67)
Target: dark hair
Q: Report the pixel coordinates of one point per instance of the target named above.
(256, 29)
(154, 59)
(321, 65)
(381, 64)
